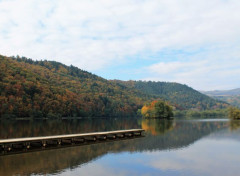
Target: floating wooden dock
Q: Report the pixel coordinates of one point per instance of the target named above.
(61, 140)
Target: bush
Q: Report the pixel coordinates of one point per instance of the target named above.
(234, 113)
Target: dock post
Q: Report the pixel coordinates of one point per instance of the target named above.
(102, 137)
(137, 133)
(90, 138)
(128, 134)
(44, 144)
(120, 135)
(8, 147)
(27, 145)
(2, 148)
(111, 136)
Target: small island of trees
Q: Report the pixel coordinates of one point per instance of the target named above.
(157, 109)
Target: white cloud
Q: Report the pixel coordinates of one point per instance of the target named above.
(99, 33)
(204, 71)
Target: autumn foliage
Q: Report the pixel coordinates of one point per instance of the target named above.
(50, 89)
(157, 109)
(234, 113)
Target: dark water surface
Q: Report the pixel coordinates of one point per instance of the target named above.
(179, 147)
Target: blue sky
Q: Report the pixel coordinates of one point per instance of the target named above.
(188, 41)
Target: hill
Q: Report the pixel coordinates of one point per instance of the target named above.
(180, 96)
(50, 89)
(230, 96)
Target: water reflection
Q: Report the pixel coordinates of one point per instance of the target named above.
(27, 128)
(234, 124)
(157, 126)
(155, 151)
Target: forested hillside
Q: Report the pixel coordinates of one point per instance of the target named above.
(50, 89)
(180, 96)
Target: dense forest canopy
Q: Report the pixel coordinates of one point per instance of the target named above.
(180, 96)
(31, 88)
(47, 89)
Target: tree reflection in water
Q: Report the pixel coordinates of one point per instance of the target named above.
(157, 126)
(234, 124)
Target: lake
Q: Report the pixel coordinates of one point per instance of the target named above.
(177, 147)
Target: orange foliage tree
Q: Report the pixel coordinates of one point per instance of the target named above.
(157, 109)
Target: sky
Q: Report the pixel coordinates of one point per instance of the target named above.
(192, 42)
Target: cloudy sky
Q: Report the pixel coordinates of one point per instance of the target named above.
(194, 42)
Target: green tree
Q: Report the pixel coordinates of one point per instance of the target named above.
(234, 113)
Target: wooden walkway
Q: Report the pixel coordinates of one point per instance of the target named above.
(45, 141)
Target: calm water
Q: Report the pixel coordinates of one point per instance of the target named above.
(197, 147)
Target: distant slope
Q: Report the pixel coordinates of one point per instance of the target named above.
(222, 92)
(179, 95)
(50, 89)
(230, 96)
